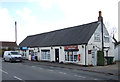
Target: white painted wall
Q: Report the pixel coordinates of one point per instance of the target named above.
(82, 54)
(98, 45)
(117, 53)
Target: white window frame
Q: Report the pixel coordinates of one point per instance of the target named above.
(97, 37)
(68, 59)
(45, 54)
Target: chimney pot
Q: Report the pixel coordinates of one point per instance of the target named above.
(100, 18)
(100, 13)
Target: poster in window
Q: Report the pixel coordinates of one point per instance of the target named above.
(74, 53)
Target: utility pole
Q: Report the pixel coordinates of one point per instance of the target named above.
(100, 19)
(16, 32)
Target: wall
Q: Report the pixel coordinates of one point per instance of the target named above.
(117, 53)
(94, 45)
(61, 53)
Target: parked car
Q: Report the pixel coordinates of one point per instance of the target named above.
(12, 56)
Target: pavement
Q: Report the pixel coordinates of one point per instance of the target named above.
(108, 69)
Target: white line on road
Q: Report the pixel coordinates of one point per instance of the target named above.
(40, 68)
(50, 70)
(4, 71)
(79, 76)
(51, 67)
(33, 66)
(17, 78)
(95, 79)
(62, 72)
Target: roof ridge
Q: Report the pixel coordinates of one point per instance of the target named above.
(68, 36)
(62, 29)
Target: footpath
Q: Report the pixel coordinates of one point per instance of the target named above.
(108, 69)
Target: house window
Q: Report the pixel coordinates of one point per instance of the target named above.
(97, 37)
(71, 56)
(45, 54)
(106, 38)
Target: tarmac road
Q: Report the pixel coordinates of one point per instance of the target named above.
(24, 71)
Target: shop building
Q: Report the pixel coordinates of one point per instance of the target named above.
(78, 44)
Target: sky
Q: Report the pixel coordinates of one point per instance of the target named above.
(39, 16)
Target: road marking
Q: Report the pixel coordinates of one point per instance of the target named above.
(79, 76)
(62, 72)
(50, 70)
(51, 67)
(95, 79)
(40, 68)
(4, 71)
(17, 78)
(33, 66)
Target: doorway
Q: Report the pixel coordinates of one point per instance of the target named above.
(94, 58)
(57, 55)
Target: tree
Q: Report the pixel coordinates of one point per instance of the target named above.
(116, 42)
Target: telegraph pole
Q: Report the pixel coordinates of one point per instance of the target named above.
(100, 19)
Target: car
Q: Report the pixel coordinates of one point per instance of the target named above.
(12, 56)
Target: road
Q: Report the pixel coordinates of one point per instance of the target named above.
(32, 71)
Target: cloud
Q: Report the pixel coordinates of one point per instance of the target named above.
(76, 12)
(7, 29)
(14, 0)
(46, 4)
(27, 23)
(80, 12)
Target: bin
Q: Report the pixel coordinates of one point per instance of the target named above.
(109, 60)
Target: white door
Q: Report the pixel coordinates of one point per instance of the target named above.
(94, 58)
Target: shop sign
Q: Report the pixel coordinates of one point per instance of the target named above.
(24, 48)
(72, 47)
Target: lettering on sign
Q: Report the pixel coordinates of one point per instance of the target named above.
(71, 47)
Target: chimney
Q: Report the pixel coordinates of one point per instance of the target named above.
(100, 18)
(16, 32)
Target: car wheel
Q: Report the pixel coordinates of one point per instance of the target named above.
(4, 60)
(10, 61)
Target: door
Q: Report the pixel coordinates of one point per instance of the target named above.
(94, 58)
(57, 55)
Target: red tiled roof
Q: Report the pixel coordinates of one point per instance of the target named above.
(8, 44)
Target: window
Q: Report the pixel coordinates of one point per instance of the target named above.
(31, 52)
(45, 54)
(106, 38)
(14, 53)
(97, 37)
(71, 56)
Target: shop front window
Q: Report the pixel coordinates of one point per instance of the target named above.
(45, 54)
(71, 56)
(75, 56)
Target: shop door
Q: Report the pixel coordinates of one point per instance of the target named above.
(94, 58)
(57, 55)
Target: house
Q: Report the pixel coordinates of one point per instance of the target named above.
(78, 44)
(117, 52)
(6, 45)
